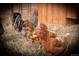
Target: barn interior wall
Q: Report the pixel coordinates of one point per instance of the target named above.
(47, 13)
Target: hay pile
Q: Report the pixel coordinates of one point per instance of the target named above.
(16, 44)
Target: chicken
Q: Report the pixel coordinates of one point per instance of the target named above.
(47, 39)
(50, 42)
(17, 21)
(41, 32)
(28, 28)
(55, 45)
(34, 17)
(50, 45)
(27, 24)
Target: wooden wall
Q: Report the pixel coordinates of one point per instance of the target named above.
(48, 13)
(55, 13)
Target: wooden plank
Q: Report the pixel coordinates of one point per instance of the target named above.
(50, 13)
(40, 13)
(25, 11)
(71, 12)
(55, 14)
(44, 12)
(61, 14)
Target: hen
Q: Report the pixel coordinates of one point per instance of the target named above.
(28, 28)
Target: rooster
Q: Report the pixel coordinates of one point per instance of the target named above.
(34, 17)
(17, 21)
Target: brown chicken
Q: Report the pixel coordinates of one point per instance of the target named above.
(28, 28)
(41, 32)
(55, 45)
(51, 43)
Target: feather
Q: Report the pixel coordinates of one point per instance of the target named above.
(34, 17)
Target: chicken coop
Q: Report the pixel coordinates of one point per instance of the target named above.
(60, 22)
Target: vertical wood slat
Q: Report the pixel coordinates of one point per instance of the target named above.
(49, 14)
(55, 14)
(25, 11)
(39, 13)
(16, 8)
(44, 11)
(61, 14)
